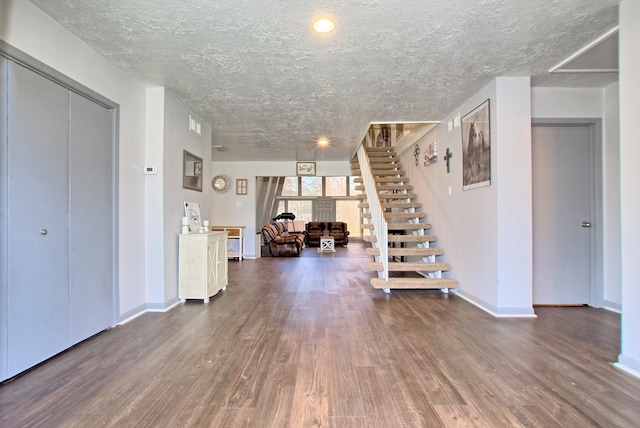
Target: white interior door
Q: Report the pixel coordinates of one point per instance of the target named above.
(38, 212)
(325, 209)
(562, 207)
(91, 236)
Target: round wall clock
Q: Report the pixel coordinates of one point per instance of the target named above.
(220, 183)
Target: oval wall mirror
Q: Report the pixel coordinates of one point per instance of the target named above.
(220, 183)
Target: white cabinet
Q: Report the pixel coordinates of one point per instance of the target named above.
(235, 242)
(202, 265)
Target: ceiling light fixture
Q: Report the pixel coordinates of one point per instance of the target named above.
(323, 141)
(324, 25)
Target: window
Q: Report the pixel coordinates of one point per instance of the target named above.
(290, 187)
(311, 186)
(316, 197)
(348, 212)
(336, 186)
(301, 209)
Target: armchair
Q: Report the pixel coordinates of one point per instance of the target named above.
(280, 242)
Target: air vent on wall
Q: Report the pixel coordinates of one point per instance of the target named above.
(220, 148)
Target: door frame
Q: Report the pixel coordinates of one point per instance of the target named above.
(596, 254)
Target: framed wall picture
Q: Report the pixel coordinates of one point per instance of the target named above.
(192, 211)
(431, 156)
(306, 168)
(476, 148)
(197, 168)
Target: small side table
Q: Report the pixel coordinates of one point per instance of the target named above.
(327, 245)
(235, 241)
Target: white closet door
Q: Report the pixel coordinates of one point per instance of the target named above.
(38, 219)
(91, 218)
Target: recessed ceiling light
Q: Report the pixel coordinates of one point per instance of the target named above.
(324, 25)
(323, 141)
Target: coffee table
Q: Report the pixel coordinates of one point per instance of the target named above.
(327, 245)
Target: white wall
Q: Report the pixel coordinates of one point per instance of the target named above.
(476, 227)
(464, 222)
(26, 28)
(178, 137)
(154, 189)
(513, 180)
(629, 16)
(612, 279)
(564, 103)
(229, 209)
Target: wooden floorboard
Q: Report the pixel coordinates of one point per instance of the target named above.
(307, 342)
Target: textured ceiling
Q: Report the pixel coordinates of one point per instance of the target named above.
(270, 87)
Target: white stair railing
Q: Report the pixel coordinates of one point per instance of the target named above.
(377, 214)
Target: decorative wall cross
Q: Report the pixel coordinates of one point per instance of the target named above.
(448, 155)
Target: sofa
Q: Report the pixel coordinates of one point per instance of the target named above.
(280, 242)
(317, 229)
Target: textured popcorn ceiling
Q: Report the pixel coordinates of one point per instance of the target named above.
(270, 87)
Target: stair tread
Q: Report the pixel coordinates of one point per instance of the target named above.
(411, 266)
(379, 153)
(384, 180)
(405, 215)
(398, 215)
(415, 283)
(358, 172)
(397, 195)
(401, 226)
(402, 238)
(383, 166)
(408, 226)
(412, 238)
(407, 251)
(387, 187)
(400, 205)
(395, 187)
(390, 196)
(378, 159)
(378, 148)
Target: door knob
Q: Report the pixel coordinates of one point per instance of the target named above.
(586, 224)
(43, 231)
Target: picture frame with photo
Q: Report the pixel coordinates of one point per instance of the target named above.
(476, 147)
(192, 212)
(305, 168)
(431, 156)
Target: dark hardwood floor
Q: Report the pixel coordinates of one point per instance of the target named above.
(306, 342)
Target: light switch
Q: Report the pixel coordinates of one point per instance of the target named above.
(449, 190)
